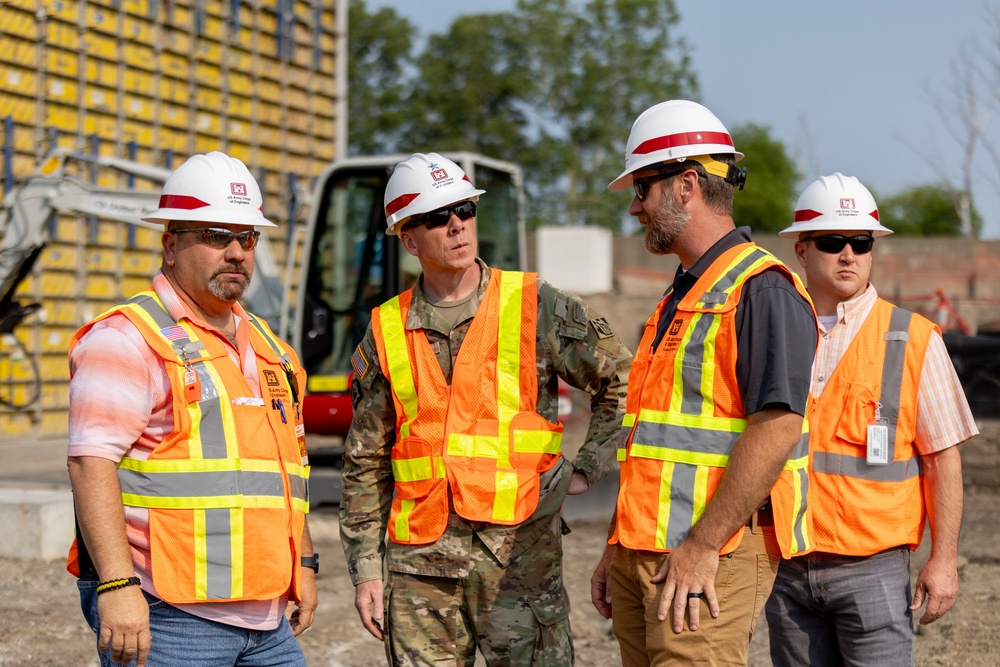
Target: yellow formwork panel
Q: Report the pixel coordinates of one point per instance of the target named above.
(55, 283)
(132, 285)
(101, 259)
(62, 117)
(20, 81)
(206, 143)
(103, 72)
(138, 7)
(269, 91)
(267, 20)
(59, 256)
(267, 44)
(240, 61)
(175, 65)
(298, 77)
(208, 100)
(182, 18)
(208, 123)
(140, 82)
(17, 51)
(100, 20)
(142, 262)
(66, 10)
(175, 90)
(102, 287)
(100, 99)
(56, 338)
(137, 131)
(210, 51)
(175, 140)
(239, 150)
(140, 56)
(240, 106)
(21, 109)
(213, 27)
(241, 83)
(177, 41)
(62, 62)
(207, 74)
(99, 124)
(296, 98)
(61, 35)
(137, 29)
(146, 237)
(62, 90)
(174, 115)
(54, 367)
(61, 312)
(298, 121)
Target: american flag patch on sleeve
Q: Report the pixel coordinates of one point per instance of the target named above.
(360, 363)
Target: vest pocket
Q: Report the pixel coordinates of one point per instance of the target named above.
(859, 409)
(415, 468)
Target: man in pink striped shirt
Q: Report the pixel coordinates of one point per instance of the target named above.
(186, 452)
(886, 413)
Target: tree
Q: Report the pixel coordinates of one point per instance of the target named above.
(766, 203)
(927, 210)
(379, 56)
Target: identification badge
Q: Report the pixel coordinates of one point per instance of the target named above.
(192, 386)
(878, 439)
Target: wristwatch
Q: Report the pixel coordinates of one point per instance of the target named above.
(312, 562)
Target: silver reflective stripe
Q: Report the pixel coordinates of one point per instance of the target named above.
(218, 554)
(801, 449)
(856, 466)
(892, 371)
(684, 438)
(200, 484)
(681, 505)
(726, 281)
(298, 487)
(692, 364)
(272, 343)
(212, 432)
(803, 476)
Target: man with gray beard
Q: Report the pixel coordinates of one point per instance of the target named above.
(187, 450)
(714, 452)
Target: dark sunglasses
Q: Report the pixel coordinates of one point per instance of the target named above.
(441, 216)
(834, 243)
(641, 185)
(215, 237)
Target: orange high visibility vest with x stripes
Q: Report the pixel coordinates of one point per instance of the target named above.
(862, 509)
(480, 438)
(684, 414)
(226, 491)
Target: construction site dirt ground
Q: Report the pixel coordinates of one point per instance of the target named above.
(41, 623)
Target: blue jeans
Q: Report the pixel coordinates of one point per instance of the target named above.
(842, 610)
(178, 638)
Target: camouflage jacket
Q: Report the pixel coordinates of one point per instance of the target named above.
(573, 343)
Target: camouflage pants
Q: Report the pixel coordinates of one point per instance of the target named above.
(517, 615)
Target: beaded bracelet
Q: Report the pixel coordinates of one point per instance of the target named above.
(115, 584)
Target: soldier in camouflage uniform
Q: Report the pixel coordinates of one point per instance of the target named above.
(480, 584)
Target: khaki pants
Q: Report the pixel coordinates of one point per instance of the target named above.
(742, 584)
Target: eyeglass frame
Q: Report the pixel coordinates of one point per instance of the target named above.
(855, 242)
(639, 185)
(246, 239)
(434, 219)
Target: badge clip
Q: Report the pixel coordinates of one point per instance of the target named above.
(878, 439)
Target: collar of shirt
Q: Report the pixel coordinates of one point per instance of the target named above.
(857, 308)
(684, 280)
(423, 315)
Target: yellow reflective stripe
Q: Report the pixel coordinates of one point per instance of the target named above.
(294, 469)
(200, 556)
(439, 467)
(398, 360)
(628, 421)
(538, 442)
(482, 446)
(622, 454)
(236, 533)
(403, 521)
(412, 470)
(202, 465)
(708, 367)
(797, 464)
(663, 513)
(796, 511)
(700, 500)
(505, 497)
(707, 422)
(300, 505)
(679, 456)
(508, 358)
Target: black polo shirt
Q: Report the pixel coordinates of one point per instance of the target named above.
(775, 332)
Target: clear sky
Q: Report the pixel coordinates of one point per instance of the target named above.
(844, 85)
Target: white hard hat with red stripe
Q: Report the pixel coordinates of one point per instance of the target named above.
(211, 188)
(834, 203)
(674, 131)
(423, 183)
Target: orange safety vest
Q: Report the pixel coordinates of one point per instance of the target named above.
(480, 438)
(684, 413)
(861, 509)
(227, 489)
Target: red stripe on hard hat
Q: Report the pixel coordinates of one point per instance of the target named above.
(805, 215)
(186, 202)
(400, 202)
(465, 178)
(682, 139)
(874, 214)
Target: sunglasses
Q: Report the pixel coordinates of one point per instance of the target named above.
(215, 237)
(834, 243)
(641, 185)
(441, 216)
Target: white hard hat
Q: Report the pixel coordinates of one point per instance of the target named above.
(423, 183)
(212, 188)
(832, 203)
(673, 131)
